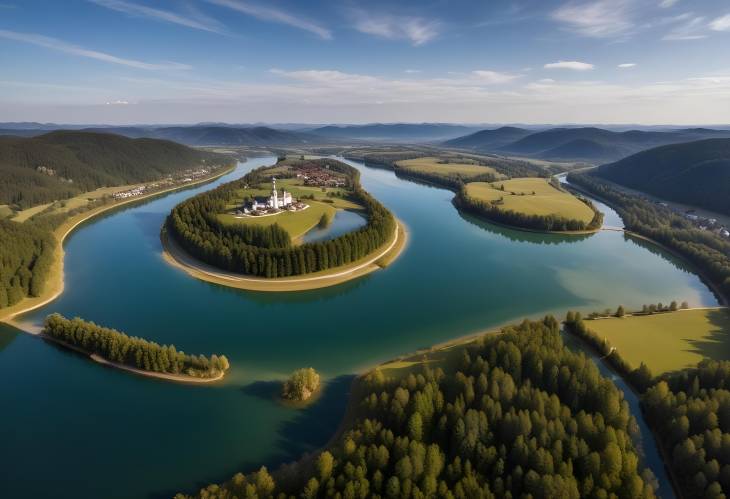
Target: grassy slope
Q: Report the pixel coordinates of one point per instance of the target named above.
(547, 200)
(433, 166)
(668, 341)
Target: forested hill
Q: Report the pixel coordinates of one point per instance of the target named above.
(62, 164)
(395, 132)
(595, 145)
(695, 173)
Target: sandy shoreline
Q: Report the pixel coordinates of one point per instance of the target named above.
(55, 284)
(176, 256)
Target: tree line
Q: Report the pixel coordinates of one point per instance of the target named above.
(493, 211)
(516, 414)
(118, 347)
(268, 251)
(707, 251)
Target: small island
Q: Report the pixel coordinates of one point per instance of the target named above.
(250, 233)
(530, 203)
(301, 385)
(111, 347)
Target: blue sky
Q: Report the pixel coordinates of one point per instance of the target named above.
(244, 61)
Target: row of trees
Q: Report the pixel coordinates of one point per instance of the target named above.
(706, 250)
(495, 212)
(515, 414)
(26, 257)
(690, 412)
(268, 251)
(130, 350)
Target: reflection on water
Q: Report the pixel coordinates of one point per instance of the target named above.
(523, 236)
(343, 222)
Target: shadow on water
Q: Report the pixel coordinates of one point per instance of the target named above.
(716, 345)
(312, 427)
(8, 334)
(523, 236)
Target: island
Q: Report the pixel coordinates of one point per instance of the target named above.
(301, 385)
(251, 233)
(530, 203)
(129, 353)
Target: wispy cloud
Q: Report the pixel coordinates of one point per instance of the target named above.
(689, 28)
(721, 23)
(665, 4)
(195, 20)
(597, 19)
(416, 30)
(272, 14)
(627, 65)
(68, 48)
(494, 77)
(574, 65)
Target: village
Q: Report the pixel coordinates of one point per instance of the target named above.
(182, 178)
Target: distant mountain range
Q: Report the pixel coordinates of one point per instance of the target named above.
(695, 173)
(395, 132)
(589, 144)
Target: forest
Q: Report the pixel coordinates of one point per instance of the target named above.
(268, 251)
(516, 414)
(62, 164)
(493, 212)
(690, 412)
(118, 347)
(709, 252)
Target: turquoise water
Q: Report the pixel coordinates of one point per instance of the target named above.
(72, 428)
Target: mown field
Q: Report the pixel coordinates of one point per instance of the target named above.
(439, 166)
(532, 196)
(668, 341)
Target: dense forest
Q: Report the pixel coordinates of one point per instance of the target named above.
(62, 164)
(131, 351)
(516, 414)
(695, 173)
(690, 411)
(268, 251)
(707, 251)
(26, 256)
(494, 212)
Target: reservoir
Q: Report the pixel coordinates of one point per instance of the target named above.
(73, 428)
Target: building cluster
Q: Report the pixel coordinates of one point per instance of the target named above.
(183, 177)
(705, 223)
(272, 204)
(130, 193)
(315, 175)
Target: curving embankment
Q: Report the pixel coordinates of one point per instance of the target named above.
(391, 250)
(55, 284)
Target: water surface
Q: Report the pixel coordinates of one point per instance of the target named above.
(73, 428)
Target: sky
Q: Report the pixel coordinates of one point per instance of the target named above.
(356, 61)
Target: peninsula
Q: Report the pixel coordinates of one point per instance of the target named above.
(249, 233)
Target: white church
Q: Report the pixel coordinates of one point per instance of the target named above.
(274, 202)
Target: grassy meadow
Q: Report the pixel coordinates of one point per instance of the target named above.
(532, 196)
(439, 166)
(668, 341)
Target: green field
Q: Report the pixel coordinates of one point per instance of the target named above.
(6, 211)
(296, 223)
(439, 166)
(532, 196)
(668, 341)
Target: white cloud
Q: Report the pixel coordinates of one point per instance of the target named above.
(597, 19)
(574, 65)
(68, 48)
(627, 65)
(691, 28)
(117, 103)
(414, 29)
(272, 14)
(721, 23)
(665, 4)
(494, 77)
(195, 21)
(412, 71)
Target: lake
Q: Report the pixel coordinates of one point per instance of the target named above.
(73, 428)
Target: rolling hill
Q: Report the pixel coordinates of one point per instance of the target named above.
(489, 139)
(695, 173)
(61, 164)
(395, 132)
(590, 144)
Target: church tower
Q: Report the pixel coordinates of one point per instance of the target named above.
(274, 195)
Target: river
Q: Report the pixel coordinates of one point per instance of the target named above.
(73, 428)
